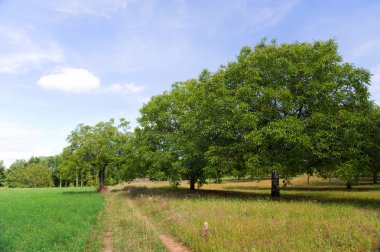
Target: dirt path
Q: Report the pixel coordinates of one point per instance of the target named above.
(107, 242)
(107, 236)
(170, 243)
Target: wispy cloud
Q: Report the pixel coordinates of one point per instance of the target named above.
(21, 52)
(366, 48)
(269, 14)
(13, 63)
(252, 15)
(101, 8)
(128, 88)
(18, 142)
(73, 80)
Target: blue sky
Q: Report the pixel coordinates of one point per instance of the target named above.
(83, 61)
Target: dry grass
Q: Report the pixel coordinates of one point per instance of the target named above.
(129, 231)
(322, 216)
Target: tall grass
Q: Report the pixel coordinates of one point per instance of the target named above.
(49, 219)
(242, 217)
(129, 230)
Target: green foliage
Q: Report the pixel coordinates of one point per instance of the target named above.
(96, 154)
(14, 175)
(21, 174)
(294, 96)
(2, 173)
(52, 162)
(38, 175)
(370, 129)
(295, 108)
(173, 129)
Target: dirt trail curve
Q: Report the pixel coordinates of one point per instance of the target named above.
(170, 243)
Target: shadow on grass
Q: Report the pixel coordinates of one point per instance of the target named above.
(182, 193)
(308, 188)
(79, 192)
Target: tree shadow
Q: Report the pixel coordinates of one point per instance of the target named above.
(183, 193)
(79, 192)
(307, 188)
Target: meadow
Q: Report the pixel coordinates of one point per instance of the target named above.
(49, 219)
(322, 216)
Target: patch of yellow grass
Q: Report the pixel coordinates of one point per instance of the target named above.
(330, 219)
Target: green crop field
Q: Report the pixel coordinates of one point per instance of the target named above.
(50, 219)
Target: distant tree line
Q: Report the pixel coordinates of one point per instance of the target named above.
(36, 172)
(291, 108)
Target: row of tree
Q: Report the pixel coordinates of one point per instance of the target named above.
(36, 172)
(291, 108)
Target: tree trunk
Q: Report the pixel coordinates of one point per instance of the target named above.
(77, 181)
(60, 180)
(275, 192)
(349, 185)
(101, 180)
(192, 182)
(308, 179)
(375, 177)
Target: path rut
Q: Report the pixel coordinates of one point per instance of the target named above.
(170, 243)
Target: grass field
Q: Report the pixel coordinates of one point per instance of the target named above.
(321, 216)
(50, 219)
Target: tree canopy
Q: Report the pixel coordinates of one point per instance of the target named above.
(95, 153)
(291, 108)
(33, 174)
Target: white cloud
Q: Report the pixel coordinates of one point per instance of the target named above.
(129, 88)
(88, 7)
(19, 51)
(79, 80)
(67, 79)
(375, 84)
